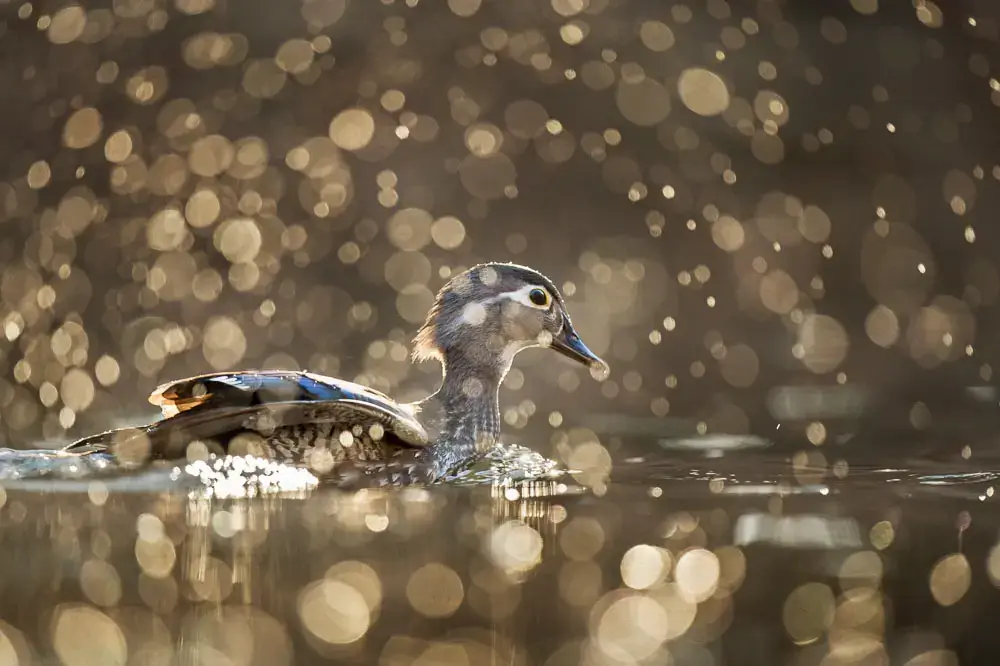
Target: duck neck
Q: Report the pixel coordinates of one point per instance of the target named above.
(470, 410)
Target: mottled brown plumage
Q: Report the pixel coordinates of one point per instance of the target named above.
(480, 320)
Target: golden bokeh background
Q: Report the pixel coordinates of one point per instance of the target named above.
(770, 217)
(730, 199)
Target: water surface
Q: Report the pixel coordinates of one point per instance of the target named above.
(750, 556)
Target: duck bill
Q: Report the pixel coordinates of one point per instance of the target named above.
(569, 344)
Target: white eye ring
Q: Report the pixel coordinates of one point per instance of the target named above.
(523, 296)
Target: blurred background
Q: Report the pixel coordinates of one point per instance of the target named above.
(734, 197)
(771, 217)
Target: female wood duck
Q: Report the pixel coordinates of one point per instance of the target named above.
(480, 320)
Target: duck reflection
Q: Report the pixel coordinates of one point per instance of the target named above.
(512, 569)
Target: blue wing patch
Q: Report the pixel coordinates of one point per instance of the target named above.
(254, 388)
(244, 389)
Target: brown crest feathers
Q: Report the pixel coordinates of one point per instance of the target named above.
(425, 344)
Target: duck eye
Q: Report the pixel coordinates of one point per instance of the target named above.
(539, 297)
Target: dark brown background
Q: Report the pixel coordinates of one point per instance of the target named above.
(572, 219)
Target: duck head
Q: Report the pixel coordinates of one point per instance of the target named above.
(486, 315)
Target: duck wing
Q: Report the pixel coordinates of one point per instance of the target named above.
(209, 406)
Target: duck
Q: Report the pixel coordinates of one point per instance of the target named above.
(479, 321)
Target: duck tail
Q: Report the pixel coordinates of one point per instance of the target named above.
(102, 441)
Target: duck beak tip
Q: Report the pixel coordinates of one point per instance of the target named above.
(571, 346)
(600, 370)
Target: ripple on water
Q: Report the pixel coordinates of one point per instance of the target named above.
(230, 476)
(743, 471)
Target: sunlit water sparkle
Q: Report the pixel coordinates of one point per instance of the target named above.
(233, 476)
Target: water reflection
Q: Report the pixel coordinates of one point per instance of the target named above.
(638, 543)
(686, 564)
